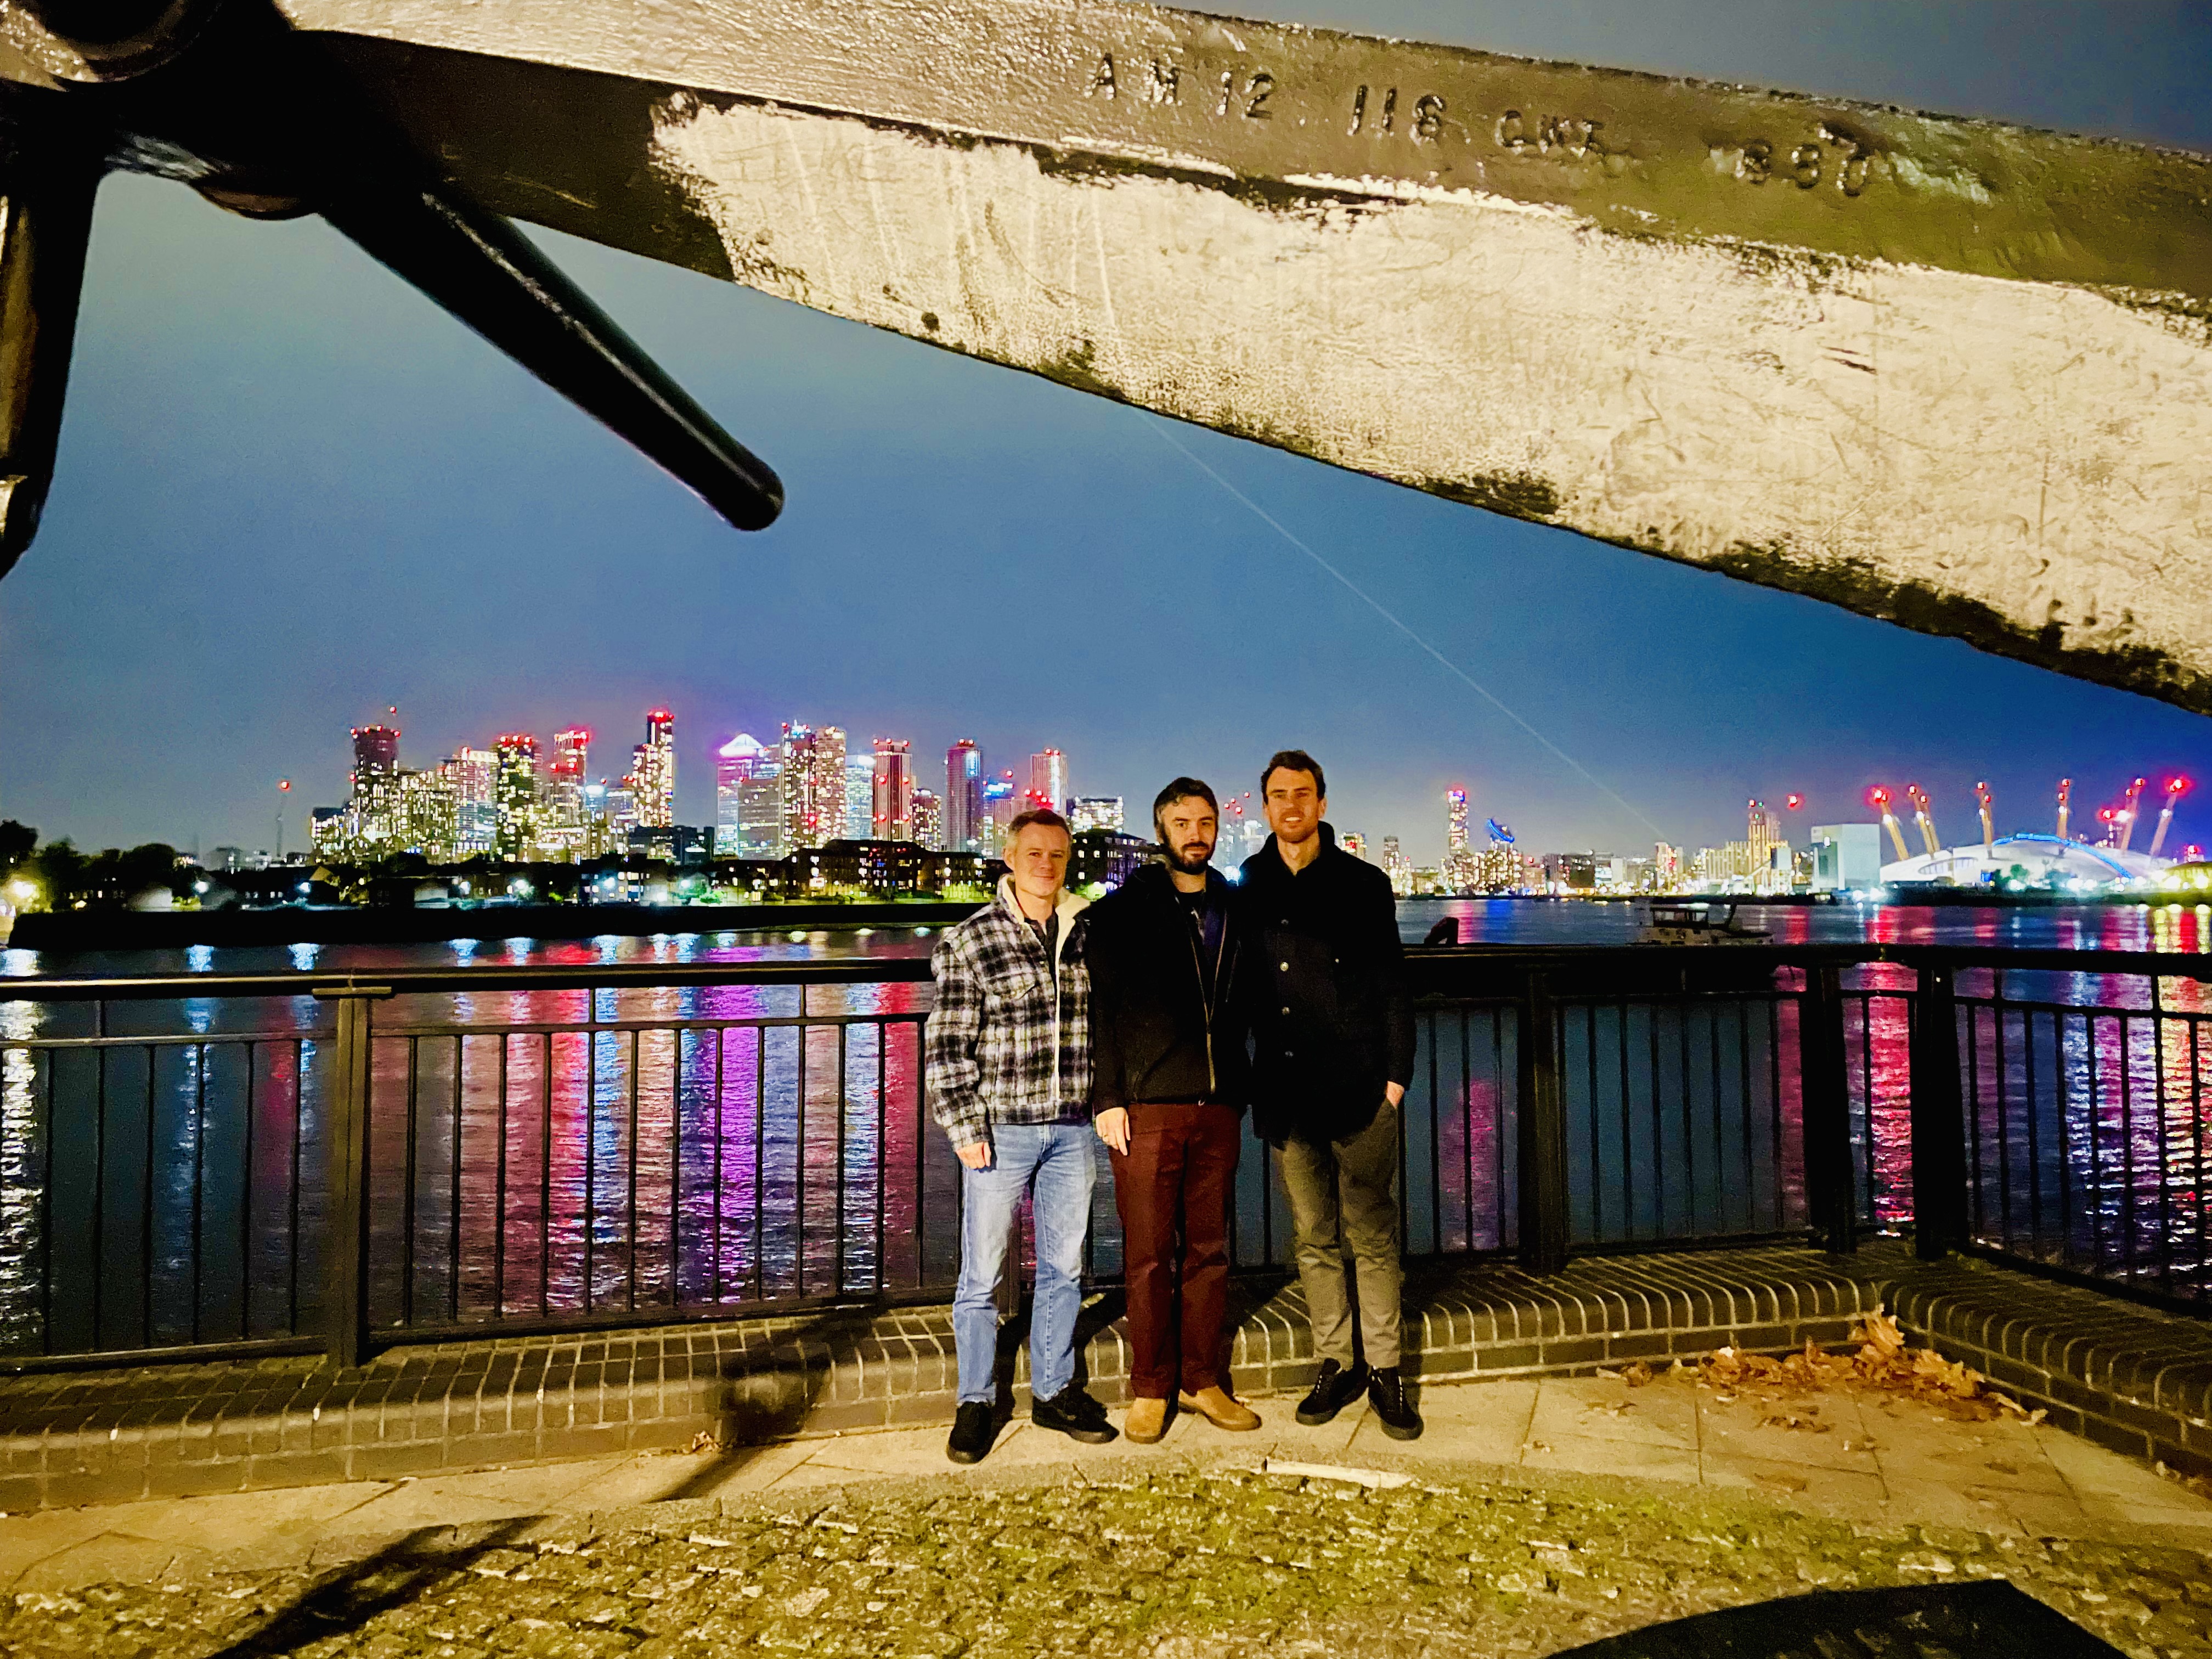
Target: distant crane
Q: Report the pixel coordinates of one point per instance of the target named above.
(2176, 787)
(1989, 830)
(2065, 792)
(1878, 798)
(1920, 799)
(2127, 819)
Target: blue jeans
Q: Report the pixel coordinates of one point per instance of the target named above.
(1052, 1163)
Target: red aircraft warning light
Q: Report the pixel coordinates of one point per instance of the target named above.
(1794, 803)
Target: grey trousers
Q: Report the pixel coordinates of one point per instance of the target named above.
(1344, 1197)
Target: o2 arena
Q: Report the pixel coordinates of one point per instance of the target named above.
(2024, 860)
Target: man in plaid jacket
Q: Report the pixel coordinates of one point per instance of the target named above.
(1008, 1060)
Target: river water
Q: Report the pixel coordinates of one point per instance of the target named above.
(546, 1155)
(2164, 927)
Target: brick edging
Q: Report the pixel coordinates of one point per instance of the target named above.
(172, 1432)
(2130, 1378)
(2127, 1376)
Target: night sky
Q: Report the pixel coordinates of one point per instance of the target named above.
(292, 492)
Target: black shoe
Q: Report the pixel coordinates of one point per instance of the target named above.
(973, 1432)
(1075, 1414)
(1335, 1388)
(1386, 1392)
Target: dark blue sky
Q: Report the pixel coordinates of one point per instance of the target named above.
(291, 492)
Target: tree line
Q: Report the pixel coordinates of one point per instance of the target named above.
(61, 876)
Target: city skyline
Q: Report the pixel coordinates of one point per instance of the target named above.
(764, 807)
(259, 518)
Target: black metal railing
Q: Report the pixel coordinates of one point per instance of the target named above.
(201, 1165)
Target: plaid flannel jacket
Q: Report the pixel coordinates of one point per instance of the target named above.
(1009, 1041)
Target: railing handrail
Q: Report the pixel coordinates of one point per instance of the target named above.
(864, 970)
(410, 982)
(2159, 964)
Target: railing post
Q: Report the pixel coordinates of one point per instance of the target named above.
(1543, 1147)
(345, 1237)
(1830, 1180)
(1939, 1149)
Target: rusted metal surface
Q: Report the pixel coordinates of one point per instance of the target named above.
(1953, 373)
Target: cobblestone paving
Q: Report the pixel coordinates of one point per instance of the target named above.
(1184, 1561)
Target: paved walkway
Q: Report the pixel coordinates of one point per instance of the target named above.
(69, 1438)
(1862, 1457)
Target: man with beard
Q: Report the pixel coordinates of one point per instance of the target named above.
(1333, 1053)
(1167, 1095)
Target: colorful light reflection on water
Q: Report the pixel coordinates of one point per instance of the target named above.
(717, 1147)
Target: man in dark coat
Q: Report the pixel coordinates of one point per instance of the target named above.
(1170, 1076)
(1332, 1031)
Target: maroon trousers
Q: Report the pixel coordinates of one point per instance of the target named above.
(1172, 1187)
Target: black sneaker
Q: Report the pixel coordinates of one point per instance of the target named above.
(1335, 1388)
(1075, 1414)
(1386, 1392)
(973, 1432)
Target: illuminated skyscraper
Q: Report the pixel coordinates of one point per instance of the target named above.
(475, 776)
(964, 819)
(735, 762)
(600, 835)
(1354, 842)
(760, 808)
(1001, 801)
(1395, 866)
(1243, 829)
(929, 820)
(891, 791)
(813, 785)
(652, 780)
(376, 749)
(1762, 828)
(1095, 813)
(519, 798)
(563, 832)
(622, 812)
(428, 815)
(1459, 871)
(1048, 782)
(860, 797)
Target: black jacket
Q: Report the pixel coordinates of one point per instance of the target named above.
(1331, 1022)
(1156, 1034)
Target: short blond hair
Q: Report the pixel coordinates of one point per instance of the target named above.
(1043, 815)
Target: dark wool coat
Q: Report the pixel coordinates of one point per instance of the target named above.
(1332, 1021)
(1166, 1024)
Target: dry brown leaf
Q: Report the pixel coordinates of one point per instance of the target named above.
(1881, 1361)
(1639, 1374)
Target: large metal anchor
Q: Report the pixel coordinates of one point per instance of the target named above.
(1952, 374)
(229, 97)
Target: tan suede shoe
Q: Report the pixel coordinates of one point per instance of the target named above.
(1147, 1422)
(1219, 1409)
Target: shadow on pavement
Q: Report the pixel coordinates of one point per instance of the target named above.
(348, 1597)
